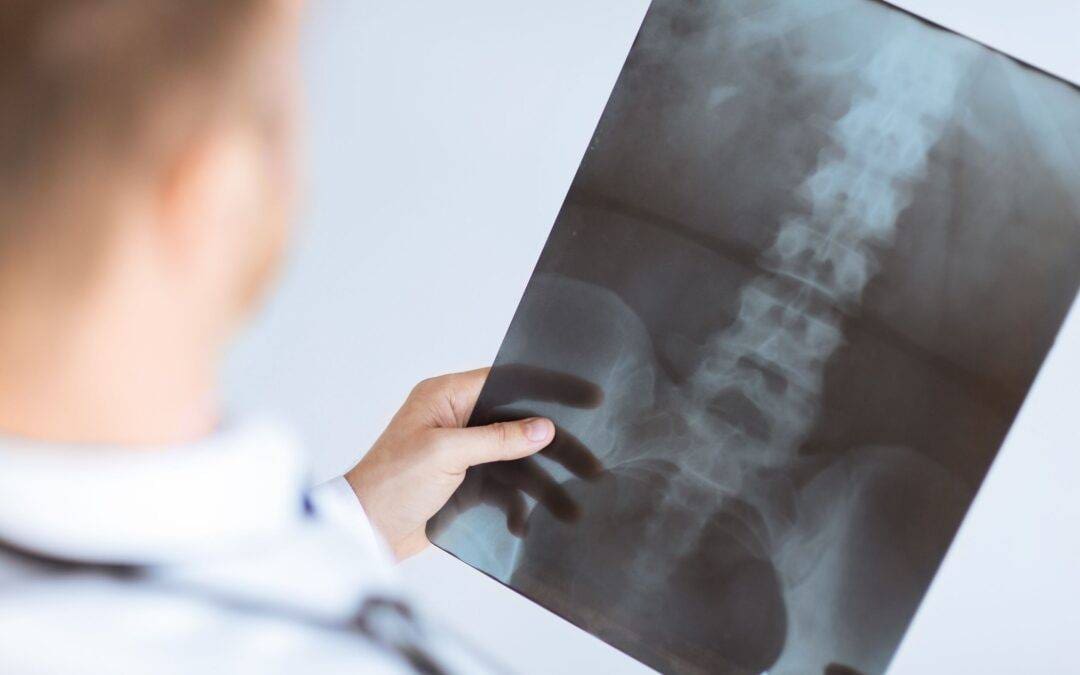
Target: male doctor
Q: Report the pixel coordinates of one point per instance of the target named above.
(146, 185)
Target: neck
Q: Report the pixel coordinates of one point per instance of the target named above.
(106, 369)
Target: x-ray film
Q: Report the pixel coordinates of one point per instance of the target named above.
(806, 274)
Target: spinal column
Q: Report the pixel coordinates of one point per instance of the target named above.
(764, 372)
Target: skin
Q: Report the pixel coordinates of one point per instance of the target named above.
(420, 460)
(127, 354)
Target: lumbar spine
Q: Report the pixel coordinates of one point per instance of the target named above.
(768, 365)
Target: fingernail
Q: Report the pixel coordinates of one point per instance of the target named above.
(538, 429)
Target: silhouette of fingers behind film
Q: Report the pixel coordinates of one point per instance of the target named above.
(508, 384)
(503, 485)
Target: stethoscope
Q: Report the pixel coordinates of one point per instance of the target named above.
(388, 623)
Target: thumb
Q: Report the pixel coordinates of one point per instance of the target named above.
(499, 442)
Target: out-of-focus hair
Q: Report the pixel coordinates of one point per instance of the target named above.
(82, 83)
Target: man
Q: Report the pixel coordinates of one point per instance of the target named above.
(146, 182)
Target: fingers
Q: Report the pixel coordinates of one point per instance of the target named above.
(500, 442)
(515, 382)
(569, 451)
(479, 489)
(463, 389)
(528, 477)
(566, 449)
(450, 399)
(499, 495)
(510, 502)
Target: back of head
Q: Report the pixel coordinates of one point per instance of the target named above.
(96, 92)
(146, 178)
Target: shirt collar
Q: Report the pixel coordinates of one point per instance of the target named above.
(151, 506)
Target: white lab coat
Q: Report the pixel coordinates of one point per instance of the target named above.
(207, 558)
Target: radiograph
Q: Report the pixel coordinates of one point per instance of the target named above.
(811, 263)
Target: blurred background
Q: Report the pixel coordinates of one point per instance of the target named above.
(443, 138)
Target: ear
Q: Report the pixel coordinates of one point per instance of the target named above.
(212, 184)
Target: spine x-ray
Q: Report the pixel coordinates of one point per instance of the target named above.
(813, 259)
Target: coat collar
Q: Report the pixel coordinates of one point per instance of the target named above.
(151, 506)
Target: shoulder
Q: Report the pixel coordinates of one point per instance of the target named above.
(91, 624)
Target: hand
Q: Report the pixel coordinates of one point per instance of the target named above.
(503, 485)
(421, 459)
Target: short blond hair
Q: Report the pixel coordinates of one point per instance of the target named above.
(80, 78)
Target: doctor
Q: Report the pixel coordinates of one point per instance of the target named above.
(146, 187)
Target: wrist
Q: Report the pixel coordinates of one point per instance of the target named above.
(364, 484)
(355, 479)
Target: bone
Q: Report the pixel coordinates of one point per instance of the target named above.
(790, 318)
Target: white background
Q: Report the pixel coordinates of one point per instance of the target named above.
(443, 139)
